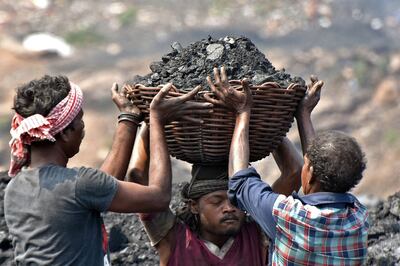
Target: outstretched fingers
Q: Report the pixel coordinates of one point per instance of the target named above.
(208, 98)
(224, 77)
(190, 95)
(163, 92)
(193, 115)
(216, 76)
(214, 89)
(196, 105)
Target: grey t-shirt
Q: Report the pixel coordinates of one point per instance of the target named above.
(53, 215)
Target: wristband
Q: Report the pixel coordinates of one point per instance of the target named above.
(130, 117)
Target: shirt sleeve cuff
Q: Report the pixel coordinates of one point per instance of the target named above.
(237, 181)
(246, 173)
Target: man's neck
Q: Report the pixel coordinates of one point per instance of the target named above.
(215, 239)
(220, 252)
(314, 189)
(47, 154)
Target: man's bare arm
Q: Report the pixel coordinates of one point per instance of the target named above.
(290, 163)
(155, 197)
(159, 226)
(240, 103)
(303, 114)
(117, 160)
(239, 153)
(286, 156)
(141, 158)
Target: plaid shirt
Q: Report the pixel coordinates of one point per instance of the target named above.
(317, 229)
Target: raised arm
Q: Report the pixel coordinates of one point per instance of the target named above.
(160, 172)
(141, 158)
(240, 103)
(154, 197)
(159, 226)
(246, 189)
(303, 113)
(239, 153)
(286, 156)
(290, 163)
(117, 160)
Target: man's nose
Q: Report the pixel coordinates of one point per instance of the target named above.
(228, 207)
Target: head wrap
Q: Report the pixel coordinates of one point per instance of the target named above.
(37, 127)
(206, 179)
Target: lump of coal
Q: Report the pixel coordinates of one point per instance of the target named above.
(117, 239)
(188, 67)
(384, 232)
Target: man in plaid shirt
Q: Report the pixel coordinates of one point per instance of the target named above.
(327, 225)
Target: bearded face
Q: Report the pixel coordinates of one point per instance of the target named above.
(217, 215)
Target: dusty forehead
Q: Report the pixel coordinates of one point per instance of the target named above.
(218, 193)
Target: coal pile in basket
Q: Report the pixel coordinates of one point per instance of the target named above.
(275, 96)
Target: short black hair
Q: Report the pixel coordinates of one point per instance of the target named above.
(40, 96)
(337, 160)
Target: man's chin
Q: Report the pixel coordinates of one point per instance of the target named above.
(232, 230)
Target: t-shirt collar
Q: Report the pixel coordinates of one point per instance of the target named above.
(325, 198)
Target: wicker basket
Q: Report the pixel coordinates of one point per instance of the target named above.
(271, 117)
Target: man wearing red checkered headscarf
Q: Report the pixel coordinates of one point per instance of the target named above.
(53, 212)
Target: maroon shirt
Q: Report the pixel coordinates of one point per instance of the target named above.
(246, 249)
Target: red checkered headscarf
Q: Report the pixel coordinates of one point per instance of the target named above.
(36, 127)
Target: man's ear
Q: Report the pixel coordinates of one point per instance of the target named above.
(311, 174)
(309, 171)
(194, 206)
(65, 134)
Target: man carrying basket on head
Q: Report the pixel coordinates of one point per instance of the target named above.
(53, 213)
(209, 230)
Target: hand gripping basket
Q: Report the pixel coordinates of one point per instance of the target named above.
(271, 117)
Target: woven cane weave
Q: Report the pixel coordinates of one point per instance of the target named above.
(271, 117)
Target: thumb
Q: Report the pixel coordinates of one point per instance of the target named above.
(114, 91)
(163, 92)
(114, 88)
(316, 88)
(190, 95)
(246, 87)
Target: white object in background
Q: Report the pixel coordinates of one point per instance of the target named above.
(47, 42)
(42, 4)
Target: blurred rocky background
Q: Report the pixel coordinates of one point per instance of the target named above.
(354, 46)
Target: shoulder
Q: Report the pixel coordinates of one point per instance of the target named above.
(88, 172)
(251, 228)
(362, 208)
(90, 177)
(94, 188)
(287, 208)
(48, 177)
(360, 213)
